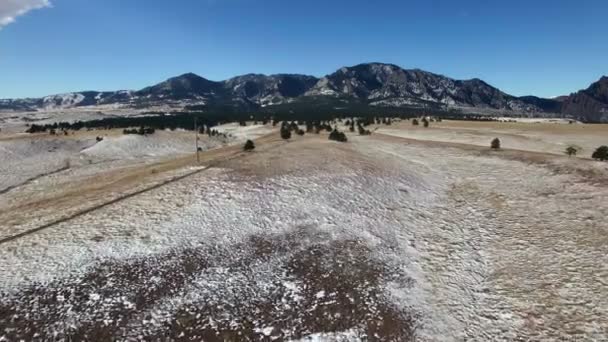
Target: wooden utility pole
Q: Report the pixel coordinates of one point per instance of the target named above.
(198, 158)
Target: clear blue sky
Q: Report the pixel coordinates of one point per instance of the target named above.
(540, 47)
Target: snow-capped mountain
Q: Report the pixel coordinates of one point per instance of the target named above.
(269, 90)
(370, 84)
(185, 87)
(387, 84)
(67, 100)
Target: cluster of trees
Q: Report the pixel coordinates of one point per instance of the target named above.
(361, 123)
(425, 121)
(287, 128)
(141, 130)
(172, 121)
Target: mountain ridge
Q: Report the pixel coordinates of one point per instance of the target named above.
(375, 84)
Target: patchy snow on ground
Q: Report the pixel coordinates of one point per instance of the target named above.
(346, 336)
(25, 159)
(377, 239)
(159, 144)
(242, 133)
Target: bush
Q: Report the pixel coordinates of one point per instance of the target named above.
(495, 144)
(300, 132)
(249, 146)
(425, 122)
(337, 136)
(415, 122)
(571, 150)
(285, 133)
(601, 153)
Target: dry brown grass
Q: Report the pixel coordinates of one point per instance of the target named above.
(523, 126)
(581, 168)
(83, 194)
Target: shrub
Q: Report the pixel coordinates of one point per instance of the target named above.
(571, 150)
(425, 122)
(601, 153)
(495, 144)
(300, 132)
(337, 136)
(285, 133)
(249, 146)
(415, 122)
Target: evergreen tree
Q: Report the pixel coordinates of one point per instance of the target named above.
(309, 126)
(601, 153)
(495, 144)
(249, 146)
(337, 136)
(285, 132)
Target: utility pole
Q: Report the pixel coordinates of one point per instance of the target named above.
(198, 158)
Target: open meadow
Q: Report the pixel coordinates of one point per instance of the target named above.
(408, 234)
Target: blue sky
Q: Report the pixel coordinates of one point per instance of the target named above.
(538, 47)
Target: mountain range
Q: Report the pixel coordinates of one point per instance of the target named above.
(375, 85)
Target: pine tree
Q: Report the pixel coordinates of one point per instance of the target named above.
(495, 144)
(337, 136)
(285, 132)
(249, 146)
(601, 153)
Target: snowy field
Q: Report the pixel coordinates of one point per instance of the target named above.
(382, 238)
